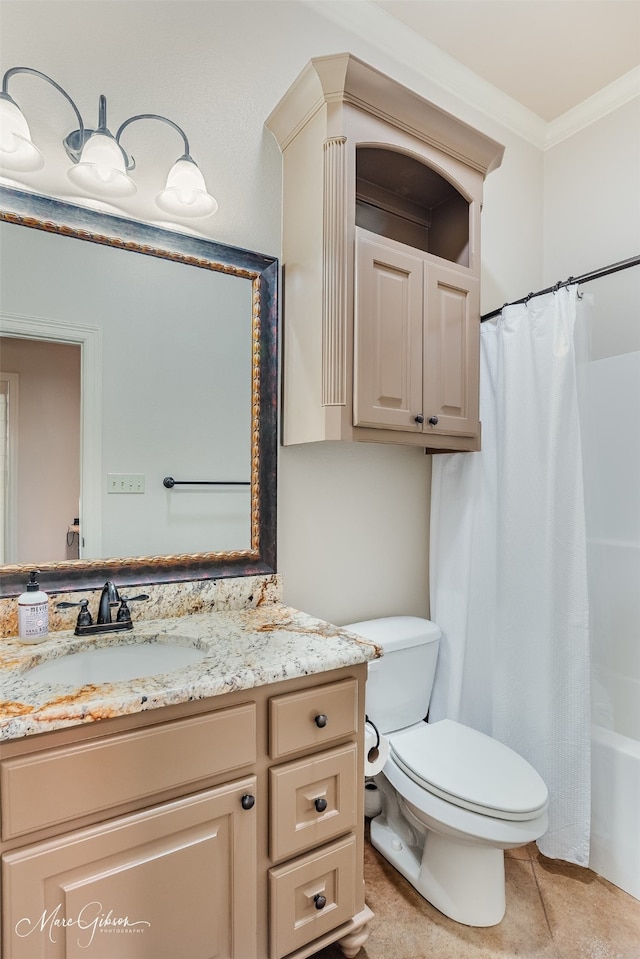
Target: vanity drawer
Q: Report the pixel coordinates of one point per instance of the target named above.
(297, 912)
(312, 717)
(312, 800)
(57, 785)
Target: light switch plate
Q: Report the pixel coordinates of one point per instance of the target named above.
(125, 482)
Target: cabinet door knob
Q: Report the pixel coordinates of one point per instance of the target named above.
(320, 901)
(433, 420)
(321, 720)
(419, 418)
(248, 801)
(320, 804)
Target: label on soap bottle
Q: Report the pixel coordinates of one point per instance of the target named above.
(33, 621)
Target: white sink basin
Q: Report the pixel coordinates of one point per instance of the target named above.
(115, 664)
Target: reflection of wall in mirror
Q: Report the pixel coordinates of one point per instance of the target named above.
(47, 448)
(176, 383)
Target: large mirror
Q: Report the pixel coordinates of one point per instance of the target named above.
(159, 464)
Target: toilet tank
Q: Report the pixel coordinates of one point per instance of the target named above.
(399, 684)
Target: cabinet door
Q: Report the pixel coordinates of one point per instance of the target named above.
(178, 880)
(451, 351)
(388, 334)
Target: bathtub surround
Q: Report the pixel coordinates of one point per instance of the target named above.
(610, 419)
(508, 581)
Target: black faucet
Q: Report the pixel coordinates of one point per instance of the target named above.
(109, 598)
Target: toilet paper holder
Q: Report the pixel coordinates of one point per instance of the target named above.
(373, 752)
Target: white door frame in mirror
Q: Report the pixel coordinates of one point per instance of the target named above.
(89, 339)
(9, 387)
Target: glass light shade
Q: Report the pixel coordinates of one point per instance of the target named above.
(101, 170)
(17, 152)
(186, 194)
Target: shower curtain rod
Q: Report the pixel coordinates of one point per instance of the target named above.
(585, 278)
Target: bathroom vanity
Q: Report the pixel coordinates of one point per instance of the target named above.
(215, 810)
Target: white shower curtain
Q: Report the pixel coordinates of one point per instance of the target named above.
(508, 564)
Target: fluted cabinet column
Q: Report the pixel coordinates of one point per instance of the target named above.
(334, 274)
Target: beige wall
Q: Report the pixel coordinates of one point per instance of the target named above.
(48, 445)
(592, 219)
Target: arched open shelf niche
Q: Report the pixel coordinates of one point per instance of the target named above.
(404, 199)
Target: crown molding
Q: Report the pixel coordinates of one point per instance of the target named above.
(594, 108)
(373, 24)
(343, 78)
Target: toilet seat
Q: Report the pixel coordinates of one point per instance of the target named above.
(470, 770)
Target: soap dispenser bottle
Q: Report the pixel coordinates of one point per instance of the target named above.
(33, 612)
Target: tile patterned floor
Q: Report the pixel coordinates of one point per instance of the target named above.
(554, 911)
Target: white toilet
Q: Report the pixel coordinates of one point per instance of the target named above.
(453, 799)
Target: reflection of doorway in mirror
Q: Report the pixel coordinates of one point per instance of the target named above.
(46, 447)
(88, 341)
(9, 383)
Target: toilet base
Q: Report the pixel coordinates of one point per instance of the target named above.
(463, 880)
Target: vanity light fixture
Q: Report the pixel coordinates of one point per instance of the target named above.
(101, 167)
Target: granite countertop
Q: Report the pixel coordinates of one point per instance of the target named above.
(243, 649)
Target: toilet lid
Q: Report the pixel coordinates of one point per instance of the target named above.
(469, 769)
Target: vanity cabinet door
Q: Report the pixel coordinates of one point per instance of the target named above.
(178, 880)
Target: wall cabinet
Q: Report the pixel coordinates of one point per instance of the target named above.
(232, 827)
(382, 194)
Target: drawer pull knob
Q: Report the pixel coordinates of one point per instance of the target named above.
(320, 804)
(419, 418)
(321, 721)
(433, 420)
(248, 801)
(320, 901)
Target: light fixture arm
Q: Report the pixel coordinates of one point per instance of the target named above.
(156, 116)
(43, 76)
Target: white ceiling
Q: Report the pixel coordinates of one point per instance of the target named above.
(549, 55)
